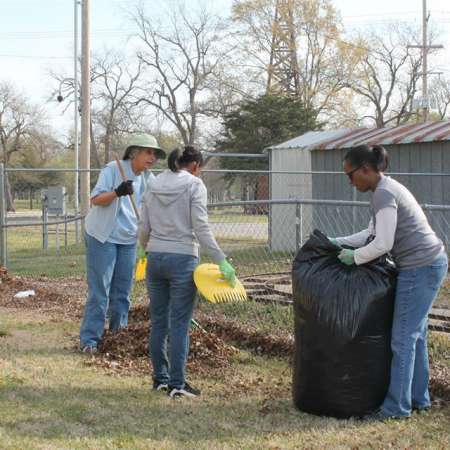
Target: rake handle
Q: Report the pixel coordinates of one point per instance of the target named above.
(124, 178)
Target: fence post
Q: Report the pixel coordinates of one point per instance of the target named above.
(298, 226)
(44, 223)
(3, 241)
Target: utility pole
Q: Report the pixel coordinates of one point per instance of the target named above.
(85, 107)
(76, 113)
(425, 18)
(425, 49)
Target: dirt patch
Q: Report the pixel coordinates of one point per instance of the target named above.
(440, 383)
(62, 297)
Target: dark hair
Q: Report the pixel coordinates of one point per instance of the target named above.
(376, 157)
(129, 152)
(181, 157)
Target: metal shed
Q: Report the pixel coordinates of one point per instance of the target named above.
(413, 148)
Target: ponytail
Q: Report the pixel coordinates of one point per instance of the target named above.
(172, 160)
(380, 157)
(376, 157)
(182, 157)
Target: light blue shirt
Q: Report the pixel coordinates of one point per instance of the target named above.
(117, 222)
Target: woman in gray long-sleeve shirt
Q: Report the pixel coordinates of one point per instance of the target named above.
(174, 224)
(399, 226)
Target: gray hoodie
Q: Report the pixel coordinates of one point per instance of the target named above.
(174, 217)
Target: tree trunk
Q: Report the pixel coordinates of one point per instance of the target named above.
(8, 194)
(95, 160)
(107, 144)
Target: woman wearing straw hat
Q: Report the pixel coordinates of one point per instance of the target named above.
(111, 237)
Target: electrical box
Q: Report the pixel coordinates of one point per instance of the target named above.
(55, 200)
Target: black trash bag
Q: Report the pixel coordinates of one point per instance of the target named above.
(343, 321)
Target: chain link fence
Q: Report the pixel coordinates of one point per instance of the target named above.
(260, 218)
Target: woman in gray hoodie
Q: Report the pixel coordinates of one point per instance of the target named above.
(174, 223)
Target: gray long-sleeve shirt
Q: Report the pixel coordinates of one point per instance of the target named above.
(174, 217)
(399, 226)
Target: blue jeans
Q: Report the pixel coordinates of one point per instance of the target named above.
(110, 270)
(172, 292)
(416, 290)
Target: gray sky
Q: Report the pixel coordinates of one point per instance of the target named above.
(37, 35)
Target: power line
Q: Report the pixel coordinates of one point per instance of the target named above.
(35, 57)
(59, 33)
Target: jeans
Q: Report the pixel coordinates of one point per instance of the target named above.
(416, 290)
(172, 292)
(110, 269)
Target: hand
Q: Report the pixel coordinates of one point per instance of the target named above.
(141, 253)
(347, 256)
(228, 272)
(124, 188)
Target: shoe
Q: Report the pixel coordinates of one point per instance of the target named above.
(380, 416)
(186, 391)
(160, 386)
(421, 409)
(89, 349)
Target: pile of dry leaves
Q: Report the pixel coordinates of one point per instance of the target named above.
(128, 348)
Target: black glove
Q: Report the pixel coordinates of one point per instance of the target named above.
(124, 188)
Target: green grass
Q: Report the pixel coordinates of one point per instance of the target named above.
(24, 205)
(27, 257)
(50, 399)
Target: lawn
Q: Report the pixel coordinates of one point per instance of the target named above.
(52, 397)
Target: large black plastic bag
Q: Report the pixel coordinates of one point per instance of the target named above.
(343, 320)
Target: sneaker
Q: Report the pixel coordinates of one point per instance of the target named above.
(421, 409)
(186, 391)
(160, 386)
(89, 349)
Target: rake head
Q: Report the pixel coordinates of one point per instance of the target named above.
(214, 288)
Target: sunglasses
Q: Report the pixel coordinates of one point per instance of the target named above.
(350, 174)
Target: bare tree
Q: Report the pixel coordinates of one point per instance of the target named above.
(181, 57)
(440, 94)
(325, 60)
(114, 112)
(18, 122)
(387, 76)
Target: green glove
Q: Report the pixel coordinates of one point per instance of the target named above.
(141, 253)
(347, 256)
(333, 241)
(228, 272)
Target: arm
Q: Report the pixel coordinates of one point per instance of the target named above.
(386, 224)
(199, 218)
(144, 228)
(103, 199)
(358, 239)
(104, 192)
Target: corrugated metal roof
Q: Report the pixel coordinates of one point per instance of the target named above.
(346, 138)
